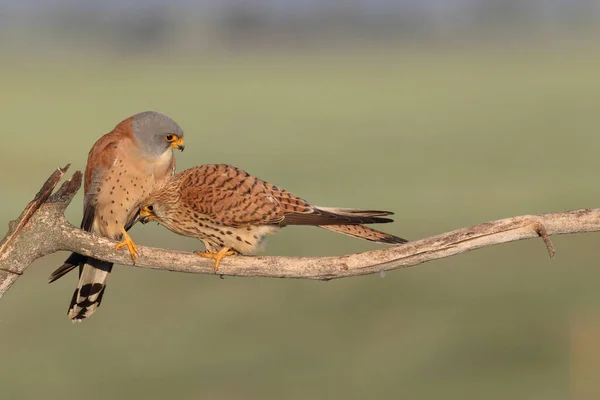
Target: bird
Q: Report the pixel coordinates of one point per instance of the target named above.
(231, 212)
(123, 167)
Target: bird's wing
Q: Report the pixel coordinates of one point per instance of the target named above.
(101, 158)
(233, 197)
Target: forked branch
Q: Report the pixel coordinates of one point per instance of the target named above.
(42, 230)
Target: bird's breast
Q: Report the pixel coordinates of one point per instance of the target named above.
(162, 168)
(244, 240)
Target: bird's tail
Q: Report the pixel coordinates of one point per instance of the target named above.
(364, 232)
(90, 288)
(353, 226)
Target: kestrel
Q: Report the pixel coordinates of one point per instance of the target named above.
(123, 168)
(231, 211)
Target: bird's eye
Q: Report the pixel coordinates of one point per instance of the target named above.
(150, 208)
(171, 138)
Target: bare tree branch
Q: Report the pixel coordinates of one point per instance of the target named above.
(42, 230)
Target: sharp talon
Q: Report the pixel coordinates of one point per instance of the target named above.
(127, 242)
(218, 256)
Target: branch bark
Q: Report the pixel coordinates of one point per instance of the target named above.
(42, 229)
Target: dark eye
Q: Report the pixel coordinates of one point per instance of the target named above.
(150, 208)
(170, 137)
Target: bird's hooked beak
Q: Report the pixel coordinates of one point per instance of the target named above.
(178, 144)
(145, 215)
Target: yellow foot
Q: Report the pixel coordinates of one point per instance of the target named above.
(133, 251)
(218, 256)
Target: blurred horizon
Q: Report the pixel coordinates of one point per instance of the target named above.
(182, 27)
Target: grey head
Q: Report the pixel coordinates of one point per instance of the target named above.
(156, 133)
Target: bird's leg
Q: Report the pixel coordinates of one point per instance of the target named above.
(133, 251)
(218, 255)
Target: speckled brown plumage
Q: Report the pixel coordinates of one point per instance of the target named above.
(226, 207)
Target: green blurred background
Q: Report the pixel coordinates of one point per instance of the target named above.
(447, 127)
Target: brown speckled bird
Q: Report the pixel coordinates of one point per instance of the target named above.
(231, 211)
(123, 168)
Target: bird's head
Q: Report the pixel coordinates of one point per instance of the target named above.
(147, 213)
(156, 133)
